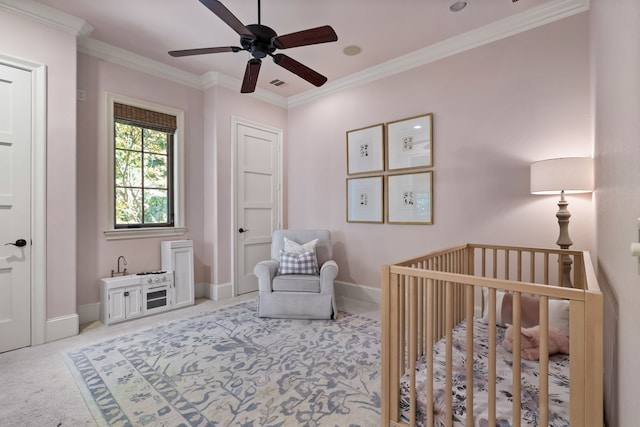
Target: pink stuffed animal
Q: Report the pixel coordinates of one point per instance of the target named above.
(530, 342)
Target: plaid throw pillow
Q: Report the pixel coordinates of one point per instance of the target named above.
(304, 263)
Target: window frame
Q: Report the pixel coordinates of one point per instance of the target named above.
(178, 207)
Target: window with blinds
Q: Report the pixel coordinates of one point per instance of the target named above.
(143, 171)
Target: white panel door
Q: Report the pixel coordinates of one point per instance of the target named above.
(15, 208)
(258, 199)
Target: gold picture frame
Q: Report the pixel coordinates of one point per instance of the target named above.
(409, 198)
(409, 143)
(365, 202)
(365, 150)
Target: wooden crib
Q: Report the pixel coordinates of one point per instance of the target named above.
(426, 299)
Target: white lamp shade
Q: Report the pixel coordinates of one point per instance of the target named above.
(569, 174)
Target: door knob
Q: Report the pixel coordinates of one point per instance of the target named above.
(19, 243)
(242, 230)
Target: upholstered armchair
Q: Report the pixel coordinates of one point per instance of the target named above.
(291, 284)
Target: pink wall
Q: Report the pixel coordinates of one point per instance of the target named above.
(97, 256)
(208, 172)
(497, 108)
(57, 50)
(615, 35)
(221, 105)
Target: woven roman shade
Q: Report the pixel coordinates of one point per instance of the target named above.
(150, 119)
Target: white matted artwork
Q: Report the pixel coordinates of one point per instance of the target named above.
(364, 199)
(365, 150)
(410, 198)
(410, 143)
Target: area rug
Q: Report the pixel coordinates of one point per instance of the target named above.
(231, 368)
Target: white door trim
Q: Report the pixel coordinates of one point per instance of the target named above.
(235, 121)
(38, 193)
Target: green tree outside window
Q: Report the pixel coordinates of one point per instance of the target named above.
(142, 176)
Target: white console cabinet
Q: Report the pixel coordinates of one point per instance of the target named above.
(177, 257)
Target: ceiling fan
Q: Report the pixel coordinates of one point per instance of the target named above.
(262, 41)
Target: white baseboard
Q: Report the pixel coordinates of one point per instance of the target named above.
(365, 294)
(200, 290)
(217, 292)
(62, 327)
(88, 313)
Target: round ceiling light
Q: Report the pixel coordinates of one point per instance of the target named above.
(352, 50)
(458, 6)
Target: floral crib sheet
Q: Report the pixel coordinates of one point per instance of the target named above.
(558, 384)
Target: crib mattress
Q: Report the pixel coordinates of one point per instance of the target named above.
(558, 384)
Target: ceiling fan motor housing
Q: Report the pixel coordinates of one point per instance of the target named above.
(262, 44)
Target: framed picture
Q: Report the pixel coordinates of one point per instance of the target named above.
(410, 198)
(410, 143)
(364, 199)
(365, 150)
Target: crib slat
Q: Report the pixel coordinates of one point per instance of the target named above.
(469, 365)
(546, 268)
(517, 367)
(519, 266)
(413, 345)
(532, 273)
(402, 316)
(506, 264)
(495, 263)
(544, 361)
(492, 357)
(385, 315)
(577, 364)
(396, 352)
(449, 352)
(430, 301)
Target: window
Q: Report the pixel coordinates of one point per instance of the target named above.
(142, 167)
(145, 168)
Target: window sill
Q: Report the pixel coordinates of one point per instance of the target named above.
(141, 233)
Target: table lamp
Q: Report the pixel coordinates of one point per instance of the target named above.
(569, 175)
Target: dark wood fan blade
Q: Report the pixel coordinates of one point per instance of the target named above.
(204, 50)
(251, 76)
(304, 38)
(229, 18)
(301, 70)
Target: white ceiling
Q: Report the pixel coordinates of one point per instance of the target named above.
(386, 31)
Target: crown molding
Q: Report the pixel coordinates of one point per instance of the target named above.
(132, 60)
(143, 64)
(532, 18)
(529, 19)
(49, 16)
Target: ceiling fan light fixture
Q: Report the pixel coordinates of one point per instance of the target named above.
(458, 6)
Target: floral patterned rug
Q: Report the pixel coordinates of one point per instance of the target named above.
(231, 368)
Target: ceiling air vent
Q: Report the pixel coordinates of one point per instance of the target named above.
(277, 82)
